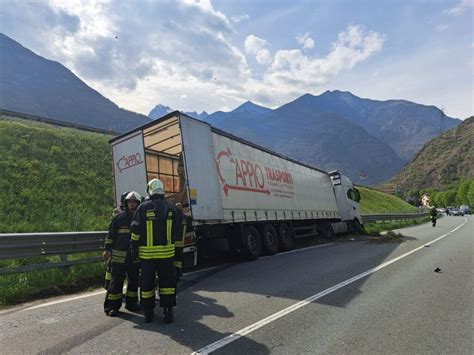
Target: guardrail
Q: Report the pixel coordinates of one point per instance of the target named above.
(26, 245)
(371, 218)
(54, 122)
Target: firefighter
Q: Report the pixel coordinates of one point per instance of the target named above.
(155, 228)
(121, 261)
(106, 253)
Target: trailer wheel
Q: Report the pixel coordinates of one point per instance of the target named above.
(252, 243)
(270, 242)
(286, 238)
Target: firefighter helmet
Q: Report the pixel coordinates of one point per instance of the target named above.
(155, 187)
(133, 195)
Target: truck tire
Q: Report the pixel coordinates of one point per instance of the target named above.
(286, 238)
(357, 226)
(326, 231)
(251, 242)
(270, 242)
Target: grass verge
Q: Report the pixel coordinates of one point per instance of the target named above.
(24, 287)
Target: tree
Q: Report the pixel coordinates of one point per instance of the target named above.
(461, 193)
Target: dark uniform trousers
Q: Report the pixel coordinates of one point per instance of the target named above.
(166, 282)
(108, 274)
(157, 255)
(121, 267)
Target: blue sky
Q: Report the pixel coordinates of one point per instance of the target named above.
(211, 55)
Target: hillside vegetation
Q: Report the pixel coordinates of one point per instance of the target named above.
(53, 179)
(442, 162)
(373, 201)
(60, 179)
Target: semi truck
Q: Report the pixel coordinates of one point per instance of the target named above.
(255, 199)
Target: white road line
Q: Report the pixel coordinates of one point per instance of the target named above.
(64, 300)
(247, 330)
(186, 274)
(92, 294)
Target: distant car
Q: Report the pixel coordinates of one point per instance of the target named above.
(457, 212)
(465, 209)
(441, 210)
(449, 210)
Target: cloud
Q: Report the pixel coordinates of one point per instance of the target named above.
(462, 6)
(257, 46)
(180, 54)
(240, 18)
(305, 40)
(303, 73)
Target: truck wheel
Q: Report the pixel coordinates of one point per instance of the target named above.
(286, 238)
(357, 226)
(327, 232)
(270, 241)
(252, 243)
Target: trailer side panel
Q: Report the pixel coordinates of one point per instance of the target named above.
(257, 185)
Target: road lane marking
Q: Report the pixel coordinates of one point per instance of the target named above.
(251, 328)
(63, 300)
(186, 274)
(190, 273)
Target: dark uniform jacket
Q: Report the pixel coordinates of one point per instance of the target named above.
(118, 240)
(155, 227)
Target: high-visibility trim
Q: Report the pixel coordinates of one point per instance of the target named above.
(108, 241)
(167, 291)
(143, 256)
(135, 237)
(148, 294)
(149, 233)
(108, 276)
(119, 252)
(124, 230)
(132, 294)
(179, 244)
(178, 264)
(184, 232)
(169, 225)
(150, 213)
(114, 296)
(118, 259)
(156, 248)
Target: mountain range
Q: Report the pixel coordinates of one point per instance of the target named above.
(34, 85)
(367, 140)
(442, 162)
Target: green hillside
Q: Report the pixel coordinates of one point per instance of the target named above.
(444, 161)
(60, 179)
(373, 201)
(53, 179)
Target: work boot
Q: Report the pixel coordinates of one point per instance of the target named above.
(133, 307)
(112, 313)
(149, 316)
(169, 317)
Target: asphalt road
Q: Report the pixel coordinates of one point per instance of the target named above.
(347, 297)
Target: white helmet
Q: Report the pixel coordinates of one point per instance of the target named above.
(133, 195)
(155, 187)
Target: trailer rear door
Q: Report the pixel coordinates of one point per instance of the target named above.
(201, 172)
(129, 165)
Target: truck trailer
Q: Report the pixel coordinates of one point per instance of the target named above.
(232, 189)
